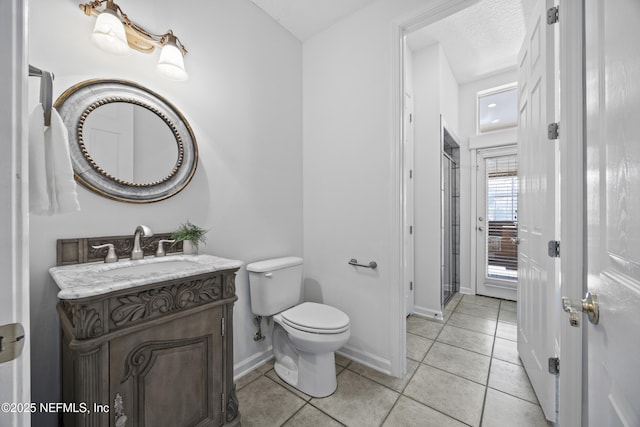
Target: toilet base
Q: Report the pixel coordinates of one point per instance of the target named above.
(314, 374)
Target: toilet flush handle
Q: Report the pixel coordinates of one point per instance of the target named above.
(268, 274)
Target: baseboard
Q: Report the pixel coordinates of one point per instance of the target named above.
(428, 313)
(467, 290)
(366, 358)
(247, 365)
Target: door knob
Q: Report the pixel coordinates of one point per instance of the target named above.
(480, 229)
(587, 305)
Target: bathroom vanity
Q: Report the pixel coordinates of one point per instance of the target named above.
(148, 342)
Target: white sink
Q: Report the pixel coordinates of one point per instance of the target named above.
(85, 280)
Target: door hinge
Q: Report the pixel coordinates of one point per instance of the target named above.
(553, 131)
(410, 286)
(410, 118)
(222, 407)
(553, 15)
(222, 328)
(411, 229)
(410, 173)
(554, 365)
(554, 249)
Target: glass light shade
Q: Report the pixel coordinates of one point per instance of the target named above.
(109, 34)
(171, 62)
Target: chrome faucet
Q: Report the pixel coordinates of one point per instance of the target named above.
(144, 231)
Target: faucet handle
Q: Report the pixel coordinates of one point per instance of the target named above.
(111, 253)
(161, 242)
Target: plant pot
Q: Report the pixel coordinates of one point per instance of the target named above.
(188, 248)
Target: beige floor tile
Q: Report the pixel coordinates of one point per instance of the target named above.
(503, 410)
(469, 340)
(508, 316)
(490, 313)
(481, 300)
(506, 350)
(309, 416)
(459, 398)
(508, 305)
(473, 323)
(447, 314)
(397, 384)
(253, 375)
(467, 364)
(417, 347)
(511, 379)
(265, 403)
(508, 331)
(423, 327)
(358, 401)
(409, 413)
(342, 360)
(274, 376)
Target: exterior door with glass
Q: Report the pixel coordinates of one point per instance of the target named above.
(497, 223)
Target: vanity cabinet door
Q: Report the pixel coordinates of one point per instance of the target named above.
(169, 374)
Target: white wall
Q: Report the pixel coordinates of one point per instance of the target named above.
(349, 163)
(244, 102)
(435, 93)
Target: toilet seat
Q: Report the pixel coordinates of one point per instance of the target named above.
(316, 318)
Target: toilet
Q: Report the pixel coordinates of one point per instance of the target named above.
(305, 334)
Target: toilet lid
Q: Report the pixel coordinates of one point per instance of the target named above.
(317, 318)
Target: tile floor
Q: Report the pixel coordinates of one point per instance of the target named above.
(465, 371)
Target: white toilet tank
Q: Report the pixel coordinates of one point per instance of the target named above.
(275, 285)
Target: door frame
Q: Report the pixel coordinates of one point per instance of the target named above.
(15, 375)
(572, 208)
(497, 151)
(437, 10)
(572, 183)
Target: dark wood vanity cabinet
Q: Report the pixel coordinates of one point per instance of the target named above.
(157, 355)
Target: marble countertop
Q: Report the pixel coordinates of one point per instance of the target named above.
(86, 280)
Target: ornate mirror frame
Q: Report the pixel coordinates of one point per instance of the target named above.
(75, 105)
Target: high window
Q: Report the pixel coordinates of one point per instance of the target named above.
(498, 108)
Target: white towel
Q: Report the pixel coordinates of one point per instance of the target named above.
(63, 197)
(38, 195)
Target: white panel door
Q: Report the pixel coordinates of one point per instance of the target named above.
(14, 290)
(537, 272)
(613, 210)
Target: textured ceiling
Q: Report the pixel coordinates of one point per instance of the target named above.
(304, 18)
(480, 40)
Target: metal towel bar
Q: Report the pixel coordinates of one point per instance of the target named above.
(372, 264)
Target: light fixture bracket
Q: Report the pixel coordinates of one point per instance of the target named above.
(138, 38)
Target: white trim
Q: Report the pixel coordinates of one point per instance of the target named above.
(367, 359)
(428, 313)
(572, 209)
(252, 362)
(400, 27)
(15, 375)
(494, 139)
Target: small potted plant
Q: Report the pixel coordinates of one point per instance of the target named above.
(191, 237)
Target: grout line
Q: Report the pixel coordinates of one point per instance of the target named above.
(419, 363)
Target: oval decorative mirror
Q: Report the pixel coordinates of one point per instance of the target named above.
(126, 142)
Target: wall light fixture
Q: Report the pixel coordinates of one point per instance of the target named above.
(117, 34)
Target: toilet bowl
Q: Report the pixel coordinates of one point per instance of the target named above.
(305, 335)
